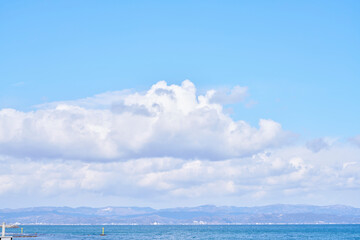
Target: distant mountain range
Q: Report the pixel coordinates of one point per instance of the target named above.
(207, 214)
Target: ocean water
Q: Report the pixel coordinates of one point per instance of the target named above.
(277, 232)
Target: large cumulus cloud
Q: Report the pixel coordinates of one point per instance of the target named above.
(166, 120)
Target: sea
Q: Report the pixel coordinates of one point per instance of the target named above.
(168, 232)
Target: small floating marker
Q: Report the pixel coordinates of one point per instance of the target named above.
(22, 230)
(103, 232)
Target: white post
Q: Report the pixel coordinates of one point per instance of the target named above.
(3, 229)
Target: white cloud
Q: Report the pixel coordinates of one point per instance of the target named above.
(226, 96)
(319, 144)
(164, 121)
(356, 140)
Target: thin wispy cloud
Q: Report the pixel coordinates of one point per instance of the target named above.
(18, 84)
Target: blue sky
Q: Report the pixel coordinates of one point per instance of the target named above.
(298, 59)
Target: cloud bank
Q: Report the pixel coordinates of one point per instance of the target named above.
(166, 147)
(289, 175)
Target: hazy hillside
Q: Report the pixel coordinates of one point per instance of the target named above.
(207, 214)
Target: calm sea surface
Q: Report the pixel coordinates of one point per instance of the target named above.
(276, 232)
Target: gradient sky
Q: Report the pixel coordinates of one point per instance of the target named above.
(295, 64)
